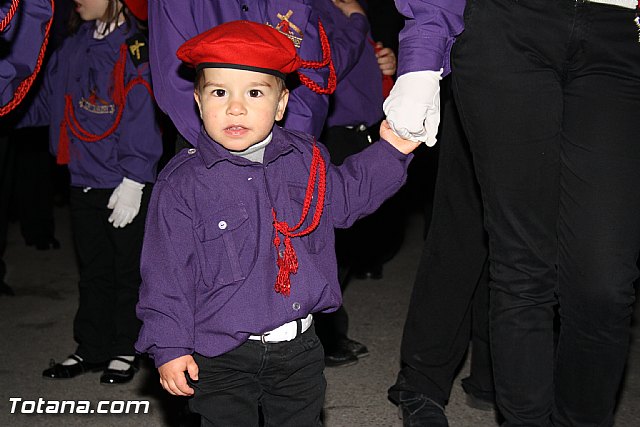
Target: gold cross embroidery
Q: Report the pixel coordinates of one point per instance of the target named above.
(285, 19)
(135, 49)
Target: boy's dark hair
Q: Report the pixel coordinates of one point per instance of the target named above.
(197, 82)
(111, 15)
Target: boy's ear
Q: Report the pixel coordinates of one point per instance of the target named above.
(282, 104)
(196, 96)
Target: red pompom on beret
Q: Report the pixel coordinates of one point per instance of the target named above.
(139, 8)
(251, 46)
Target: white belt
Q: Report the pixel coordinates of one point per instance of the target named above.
(629, 4)
(286, 332)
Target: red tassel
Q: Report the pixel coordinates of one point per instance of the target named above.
(288, 262)
(63, 145)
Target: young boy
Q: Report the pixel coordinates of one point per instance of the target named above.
(239, 244)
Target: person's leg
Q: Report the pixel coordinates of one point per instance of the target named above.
(479, 384)
(507, 71)
(293, 382)
(598, 230)
(6, 180)
(437, 328)
(333, 328)
(227, 391)
(93, 326)
(127, 244)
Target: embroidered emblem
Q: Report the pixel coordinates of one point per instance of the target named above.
(138, 49)
(289, 29)
(95, 105)
(637, 21)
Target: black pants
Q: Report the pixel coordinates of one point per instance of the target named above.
(105, 324)
(283, 380)
(370, 241)
(450, 299)
(549, 95)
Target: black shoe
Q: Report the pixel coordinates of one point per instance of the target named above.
(339, 357)
(58, 371)
(356, 348)
(6, 289)
(417, 410)
(118, 376)
(373, 272)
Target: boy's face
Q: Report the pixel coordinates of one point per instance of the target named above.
(238, 107)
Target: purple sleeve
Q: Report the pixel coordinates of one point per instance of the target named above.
(24, 36)
(308, 110)
(365, 180)
(169, 272)
(346, 35)
(38, 110)
(139, 139)
(171, 24)
(429, 33)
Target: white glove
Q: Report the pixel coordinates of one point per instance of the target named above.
(125, 202)
(413, 106)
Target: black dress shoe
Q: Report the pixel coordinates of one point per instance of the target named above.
(58, 371)
(417, 410)
(120, 376)
(339, 358)
(354, 347)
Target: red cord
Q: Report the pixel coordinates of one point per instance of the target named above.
(25, 85)
(326, 61)
(9, 16)
(288, 262)
(119, 95)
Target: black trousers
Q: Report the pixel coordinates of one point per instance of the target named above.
(105, 324)
(450, 299)
(370, 241)
(284, 382)
(549, 95)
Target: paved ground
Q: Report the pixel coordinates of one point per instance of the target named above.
(35, 325)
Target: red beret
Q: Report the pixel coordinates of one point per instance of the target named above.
(245, 45)
(251, 46)
(138, 8)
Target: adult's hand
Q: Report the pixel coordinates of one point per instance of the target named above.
(413, 106)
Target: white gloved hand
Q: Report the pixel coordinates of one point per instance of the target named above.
(125, 202)
(413, 106)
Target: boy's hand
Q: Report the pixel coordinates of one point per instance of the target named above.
(405, 146)
(349, 6)
(172, 376)
(386, 59)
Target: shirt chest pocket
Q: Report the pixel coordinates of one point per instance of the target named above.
(228, 247)
(316, 240)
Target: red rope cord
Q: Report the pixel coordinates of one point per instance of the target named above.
(120, 93)
(9, 16)
(326, 60)
(288, 262)
(25, 85)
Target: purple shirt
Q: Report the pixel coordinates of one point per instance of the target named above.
(430, 29)
(24, 35)
(208, 260)
(358, 97)
(83, 67)
(172, 22)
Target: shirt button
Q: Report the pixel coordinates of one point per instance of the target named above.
(245, 8)
(295, 306)
(281, 253)
(191, 150)
(222, 225)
